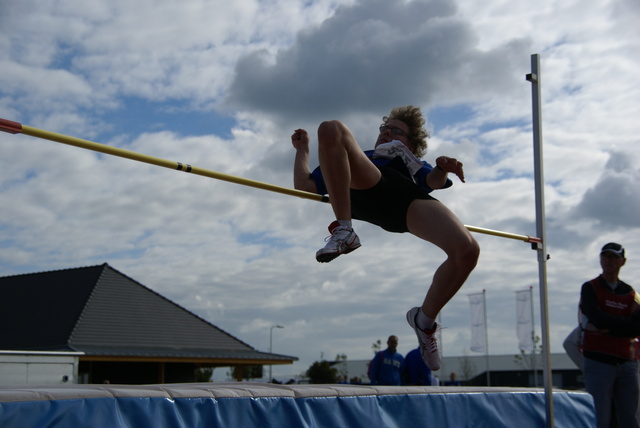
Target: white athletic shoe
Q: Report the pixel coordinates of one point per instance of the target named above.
(343, 240)
(427, 340)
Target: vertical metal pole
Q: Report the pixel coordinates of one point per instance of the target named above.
(271, 348)
(535, 80)
(533, 340)
(443, 370)
(486, 336)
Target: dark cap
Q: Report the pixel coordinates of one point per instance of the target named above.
(612, 247)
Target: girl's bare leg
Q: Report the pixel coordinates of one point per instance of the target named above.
(344, 166)
(434, 222)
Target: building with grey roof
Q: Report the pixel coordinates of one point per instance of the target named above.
(126, 332)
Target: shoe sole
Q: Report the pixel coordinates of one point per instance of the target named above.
(409, 320)
(327, 257)
(414, 325)
(412, 320)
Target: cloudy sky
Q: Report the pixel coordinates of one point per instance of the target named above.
(222, 85)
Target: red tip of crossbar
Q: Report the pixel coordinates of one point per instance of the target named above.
(10, 126)
(534, 240)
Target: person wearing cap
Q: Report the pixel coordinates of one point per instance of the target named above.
(611, 342)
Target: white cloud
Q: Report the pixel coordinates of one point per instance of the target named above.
(614, 199)
(372, 56)
(244, 258)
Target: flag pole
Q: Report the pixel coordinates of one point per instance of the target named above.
(486, 336)
(443, 370)
(533, 340)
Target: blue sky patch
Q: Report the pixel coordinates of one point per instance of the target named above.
(440, 117)
(138, 116)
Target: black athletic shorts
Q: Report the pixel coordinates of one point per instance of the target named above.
(386, 203)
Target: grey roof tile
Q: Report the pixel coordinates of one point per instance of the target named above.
(100, 311)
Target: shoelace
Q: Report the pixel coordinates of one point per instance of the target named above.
(433, 341)
(335, 235)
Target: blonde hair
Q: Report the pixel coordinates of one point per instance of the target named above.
(413, 117)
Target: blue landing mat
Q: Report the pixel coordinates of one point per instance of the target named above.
(247, 405)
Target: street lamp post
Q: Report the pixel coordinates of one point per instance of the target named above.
(271, 346)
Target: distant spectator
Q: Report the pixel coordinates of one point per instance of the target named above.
(386, 366)
(415, 370)
(452, 380)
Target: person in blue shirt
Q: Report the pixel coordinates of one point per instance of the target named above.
(389, 187)
(386, 367)
(415, 371)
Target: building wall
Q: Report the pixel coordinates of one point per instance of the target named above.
(505, 370)
(136, 373)
(509, 369)
(41, 368)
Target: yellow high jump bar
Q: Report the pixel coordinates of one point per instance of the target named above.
(17, 128)
(12, 127)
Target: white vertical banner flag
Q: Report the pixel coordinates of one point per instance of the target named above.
(478, 332)
(524, 320)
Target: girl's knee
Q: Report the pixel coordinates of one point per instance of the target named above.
(475, 248)
(330, 130)
(469, 253)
